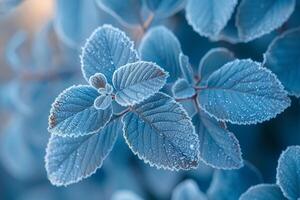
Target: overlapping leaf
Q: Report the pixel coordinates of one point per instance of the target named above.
(243, 92)
(256, 17)
(182, 89)
(161, 46)
(263, 192)
(288, 176)
(209, 17)
(212, 61)
(159, 131)
(137, 81)
(69, 160)
(282, 57)
(73, 112)
(219, 148)
(106, 50)
(186, 68)
(188, 190)
(230, 184)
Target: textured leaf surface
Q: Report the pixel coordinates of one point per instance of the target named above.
(230, 184)
(283, 58)
(159, 131)
(209, 17)
(106, 50)
(98, 80)
(214, 60)
(126, 11)
(219, 148)
(263, 192)
(243, 92)
(186, 68)
(256, 18)
(137, 81)
(161, 46)
(164, 8)
(288, 172)
(73, 112)
(182, 89)
(188, 190)
(103, 102)
(69, 160)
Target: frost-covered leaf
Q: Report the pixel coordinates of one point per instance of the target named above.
(106, 50)
(283, 58)
(182, 89)
(161, 46)
(209, 17)
(256, 17)
(189, 106)
(230, 184)
(159, 131)
(263, 192)
(73, 112)
(186, 68)
(219, 148)
(98, 80)
(75, 20)
(164, 8)
(188, 190)
(135, 82)
(127, 12)
(103, 102)
(212, 61)
(288, 172)
(69, 160)
(243, 92)
(125, 195)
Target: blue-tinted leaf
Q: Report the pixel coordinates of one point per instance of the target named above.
(75, 20)
(182, 89)
(69, 160)
(98, 80)
(161, 46)
(263, 192)
(7, 5)
(282, 57)
(243, 92)
(209, 17)
(186, 68)
(164, 8)
(288, 176)
(212, 61)
(135, 82)
(219, 148)
(189, 106)
(125, 195)
(11, 50)
(128, 12)
(188, 190)
(230, 184)
(106, 50)
(103, 102)
(256, 17)
(73, 112)
(159, 131)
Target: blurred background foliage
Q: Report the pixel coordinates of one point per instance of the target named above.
(40, 43)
